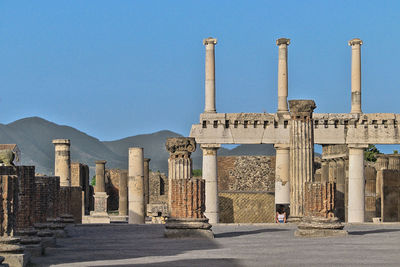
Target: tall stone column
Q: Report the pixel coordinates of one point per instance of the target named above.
(355, 75)
(210, 75)
(136, 186)
(146, 183)
(100, 215)
(123, 194)
(282, 43)
(301, 153)
(356, 184)
(282, 170)
(210, 174)
(187, 193)
(62, 163)
(324, 170)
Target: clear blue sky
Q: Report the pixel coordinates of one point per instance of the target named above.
(119, 68)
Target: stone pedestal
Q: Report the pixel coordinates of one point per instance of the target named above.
(210, 175)
(31, 242)
(14, 254)
(319, 219)
(187, 194)
(301, 153)
(136, 186)
(100, 215)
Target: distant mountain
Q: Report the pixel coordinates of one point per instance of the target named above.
(34, 137)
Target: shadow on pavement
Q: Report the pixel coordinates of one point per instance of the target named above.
(252, 232)
(191, 262)
(373, 231)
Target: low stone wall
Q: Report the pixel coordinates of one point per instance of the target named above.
(76, 203)
(112, 177)
(158, 187)
(247, 207)
(46, 198)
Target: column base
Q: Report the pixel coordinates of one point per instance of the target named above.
(96, 218)
(294, 219)
(13, 253)
(320, 227)
(188, 228)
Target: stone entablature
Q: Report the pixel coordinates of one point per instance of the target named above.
(270, 128)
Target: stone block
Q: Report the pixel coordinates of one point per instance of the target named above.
(188, 228)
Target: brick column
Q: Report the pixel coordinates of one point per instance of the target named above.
(187, 193)
(301, 153)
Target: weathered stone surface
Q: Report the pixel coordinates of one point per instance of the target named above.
(188, 228)
(312, 226)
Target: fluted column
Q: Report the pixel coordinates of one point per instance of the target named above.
(282, 171)
(394, 162)
(301, 152)
(136, 186)
(62, 162)
(210, 174)
(282, 43)
(210, 75)
(355, 75)
(356, 200)
(324, 170)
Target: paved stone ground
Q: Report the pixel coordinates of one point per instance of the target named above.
(234, 245)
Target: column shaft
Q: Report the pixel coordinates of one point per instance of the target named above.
(136, 186)
(301, 153)
(355, 75)
(210, 174)
(62, 162)
(282, 74)
(356, 185)
(100, 176)
(324, 170)
(282, 170)
(146, 183)
(123, 194)
(210, 75)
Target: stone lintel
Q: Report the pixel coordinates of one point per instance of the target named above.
(210, 40)
(61, 142)
(335, 157)
(302, 106)
(283, 41)
(355, 41)
(100, 161)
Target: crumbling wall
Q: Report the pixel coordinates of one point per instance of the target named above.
(112, 177)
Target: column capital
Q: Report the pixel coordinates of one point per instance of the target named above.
(281, 146)
(355, 41)
(359, 146)
(210, 40)
(301, 109)
(282, 41)
(146, 160)
(61, 142)
(180, 146)
(100, 162)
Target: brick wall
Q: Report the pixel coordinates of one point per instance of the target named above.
(319, 199)
(26, 198)
(76, 203)
(9, 203)
(246, 187)
(370, 193)
(187, 198)
(390, 199)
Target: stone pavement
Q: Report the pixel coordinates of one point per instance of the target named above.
(234, 245)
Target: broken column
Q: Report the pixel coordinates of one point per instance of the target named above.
(282, 43)
(210, 175)
(62, 163)
(356, 193)
(187, 193)
(146, 183)
(100, 215)
(301, 153)
(123, 194)
(136, 186)
(282, 170)
(355, 75)
(210, 75)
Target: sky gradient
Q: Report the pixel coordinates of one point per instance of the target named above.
(119, 68)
